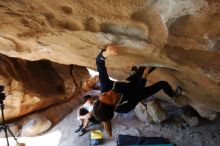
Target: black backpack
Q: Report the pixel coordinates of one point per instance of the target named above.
(134, 140)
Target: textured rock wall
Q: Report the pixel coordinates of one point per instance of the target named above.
(181, 38)
(31, 86)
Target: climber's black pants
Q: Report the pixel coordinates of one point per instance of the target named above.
(150, 90)
(136, 86)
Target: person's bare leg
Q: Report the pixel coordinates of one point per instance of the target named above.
(86, 122)
(81, 122)
(80, 126)
(83, 129)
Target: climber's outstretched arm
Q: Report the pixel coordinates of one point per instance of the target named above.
(100, 64)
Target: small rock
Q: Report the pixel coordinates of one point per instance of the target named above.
(156, 112)
(182, 127)
(142, 114)
(192, 121)
(121, 129)
(35, 126)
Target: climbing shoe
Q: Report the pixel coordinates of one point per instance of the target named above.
(78, 129)
(177, 92)
(81, 132)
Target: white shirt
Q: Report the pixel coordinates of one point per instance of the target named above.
(88, 107)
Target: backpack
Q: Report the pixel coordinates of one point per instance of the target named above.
(96, 137)
(127, 140)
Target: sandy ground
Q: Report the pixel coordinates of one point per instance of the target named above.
(175, 129)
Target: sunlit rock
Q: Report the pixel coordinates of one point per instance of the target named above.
(142, 114)
(35, 125)
(156, 112)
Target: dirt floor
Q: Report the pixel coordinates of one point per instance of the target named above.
(174, 129)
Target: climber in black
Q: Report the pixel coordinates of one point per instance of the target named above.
(122, 97)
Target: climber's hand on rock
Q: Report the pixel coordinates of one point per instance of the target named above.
(146, 72)
(111, 50)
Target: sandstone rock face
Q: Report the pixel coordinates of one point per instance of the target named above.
(90, 84)
(35, 125)
(181, 38)
(31, 86)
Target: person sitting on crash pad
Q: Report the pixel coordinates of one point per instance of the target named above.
(122, 97)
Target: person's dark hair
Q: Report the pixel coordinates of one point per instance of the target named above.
(86, 97)
(102, 111)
